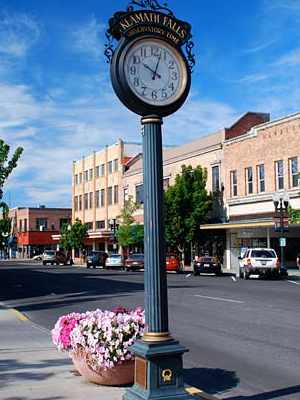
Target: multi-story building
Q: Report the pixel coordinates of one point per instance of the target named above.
(97, 185)
(246, 164)
(33, 228)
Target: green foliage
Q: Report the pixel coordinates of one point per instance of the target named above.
(7, 166)
(294, 215)
(187, 204)
(129, 233)
(72, 236)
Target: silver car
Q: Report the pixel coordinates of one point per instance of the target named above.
(49, 257)
(114, 261)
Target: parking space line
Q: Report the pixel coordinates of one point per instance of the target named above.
(219, 299)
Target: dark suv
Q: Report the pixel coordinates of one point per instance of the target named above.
(96, 258)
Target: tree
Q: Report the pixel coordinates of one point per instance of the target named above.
(6, 167)
(186, 205)
(72, 236)
(129, 232)
(5, 226)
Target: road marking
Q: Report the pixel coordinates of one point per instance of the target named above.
(296, 283)
(19, 315)
(219, 299)
(197, 392)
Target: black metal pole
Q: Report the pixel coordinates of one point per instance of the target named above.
(156, 295)
(282, 266)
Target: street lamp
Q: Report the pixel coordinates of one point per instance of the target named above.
(281, 204)
(113, 227)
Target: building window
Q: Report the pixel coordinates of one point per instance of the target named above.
(110, 167)
(109, 195)
(97, 199)
(86, 175)
(20, 225)
(102, 198)
(215, 172)
(91, 174)
(279, 174)
(100, 224)
(25, 225)
(139, 194)
(102, 169)
(294, 175)
(166, 184)
(41, 224)
(64, 221)
(116, 194)
(76, 203)
(80, 202)
(89, 226)
(233, 183)
(125, 194)
(249, 180)
(261, 177)
(91, 200)
(80, 177)
(97, 171)
(76, 179)
(86, 201)
(116, 165)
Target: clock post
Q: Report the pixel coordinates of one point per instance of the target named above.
(150, 41)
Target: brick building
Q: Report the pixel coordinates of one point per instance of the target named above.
(33, 228)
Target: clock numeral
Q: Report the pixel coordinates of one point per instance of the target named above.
(144, 52)
(155, 51)
(164, 93)
(174, 75)
(144, 88)
(171, 86)
(154, 94)
(133, 70)
(136, 60)
(136, 82)
(171, 64)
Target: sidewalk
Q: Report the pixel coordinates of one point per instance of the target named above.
(32, 369)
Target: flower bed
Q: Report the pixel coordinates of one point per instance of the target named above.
(104, 337)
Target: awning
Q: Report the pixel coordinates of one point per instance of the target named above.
(239, 224)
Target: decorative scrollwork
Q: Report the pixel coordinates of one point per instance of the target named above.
(150, 4)
(190, 55)
(109, 46)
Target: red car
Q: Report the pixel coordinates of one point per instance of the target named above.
(134, 261)
(172, 263)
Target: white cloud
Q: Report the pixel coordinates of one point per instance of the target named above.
(87, 38)
(18, 32)
(290, 59)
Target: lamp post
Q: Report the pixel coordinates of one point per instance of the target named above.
(281, 204)
(113, 227)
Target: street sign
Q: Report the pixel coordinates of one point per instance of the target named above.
(282, 242)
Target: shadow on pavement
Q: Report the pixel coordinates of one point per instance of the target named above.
(211, 380)
(273, 394)
(39, 398)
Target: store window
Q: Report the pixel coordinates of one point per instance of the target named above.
(279, 174)
(249, 180)
(294, 174)
(261, 178)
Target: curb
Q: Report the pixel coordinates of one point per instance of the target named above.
(19, 315)
(199, 393)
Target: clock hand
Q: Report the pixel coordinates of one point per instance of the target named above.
(153, 72)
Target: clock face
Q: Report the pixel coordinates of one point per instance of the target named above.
(155, 71)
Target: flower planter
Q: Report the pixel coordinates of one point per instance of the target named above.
(122, 374)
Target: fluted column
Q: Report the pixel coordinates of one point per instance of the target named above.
(156, 295)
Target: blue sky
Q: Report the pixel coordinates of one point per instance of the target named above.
(57, 102)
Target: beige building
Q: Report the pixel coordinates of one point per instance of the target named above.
(97, 191)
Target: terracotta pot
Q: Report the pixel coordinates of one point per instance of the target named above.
(122, 374)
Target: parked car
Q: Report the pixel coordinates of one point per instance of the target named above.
(172, 263)
(56, 257)
(38, 257)
(207, 264)
(134, 261)
(96, 258)
(260, 261)
(114, 261)
(49, 257)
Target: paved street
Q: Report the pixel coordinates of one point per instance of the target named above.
(243, 336)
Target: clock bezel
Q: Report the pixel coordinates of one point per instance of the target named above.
(127, 95)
